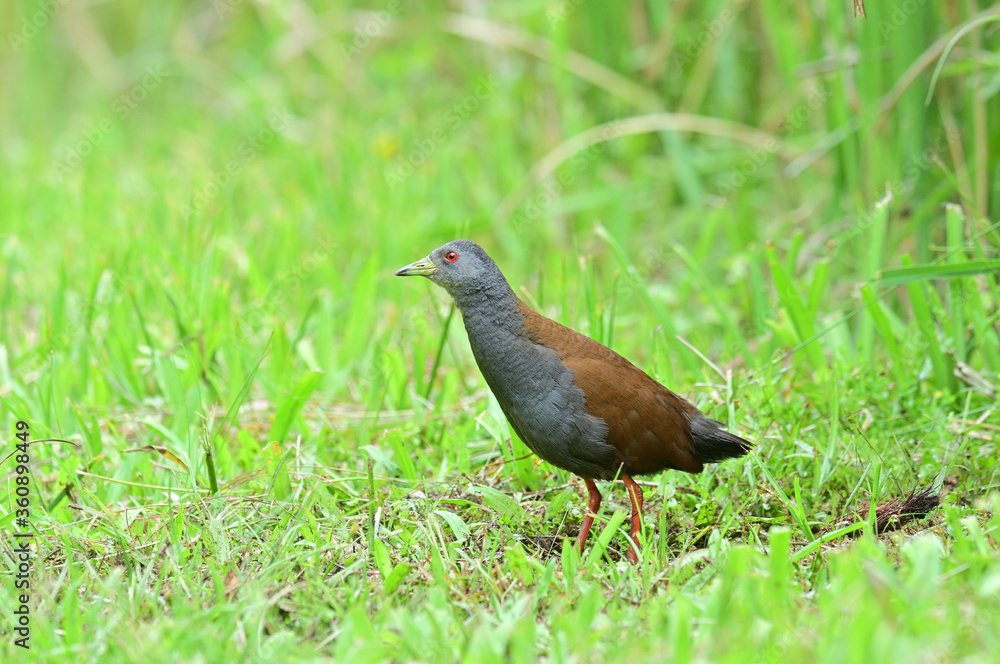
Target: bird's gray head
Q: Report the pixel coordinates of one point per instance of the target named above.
(465, 270)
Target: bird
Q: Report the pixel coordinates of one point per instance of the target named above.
(574, 402)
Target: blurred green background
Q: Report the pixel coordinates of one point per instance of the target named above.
(780, 209)
(196, 152)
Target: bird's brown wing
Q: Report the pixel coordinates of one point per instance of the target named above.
(648, 424)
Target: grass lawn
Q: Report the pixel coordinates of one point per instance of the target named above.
(252, 443)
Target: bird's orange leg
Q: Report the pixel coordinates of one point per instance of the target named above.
(635, 493)
(593, 504)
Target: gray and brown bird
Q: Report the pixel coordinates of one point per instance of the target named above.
(574, 402)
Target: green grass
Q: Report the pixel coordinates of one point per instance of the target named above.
(261, 446)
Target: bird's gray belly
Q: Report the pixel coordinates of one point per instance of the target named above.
(538, 396)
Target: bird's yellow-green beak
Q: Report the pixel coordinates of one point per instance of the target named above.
(424, 267)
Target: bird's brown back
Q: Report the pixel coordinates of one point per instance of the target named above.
(648, 425)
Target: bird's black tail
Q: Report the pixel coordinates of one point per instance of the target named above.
(712, 443)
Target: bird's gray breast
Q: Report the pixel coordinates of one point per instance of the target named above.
(537, 394)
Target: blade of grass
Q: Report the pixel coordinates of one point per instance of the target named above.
(291, 406)
(922, 318)
(955, 227)
(928, 272)
(790, 298)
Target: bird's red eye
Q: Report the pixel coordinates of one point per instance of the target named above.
(451, 257)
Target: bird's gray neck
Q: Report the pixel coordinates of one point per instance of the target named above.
(492, 303)
(493, 320)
